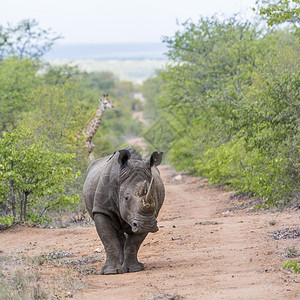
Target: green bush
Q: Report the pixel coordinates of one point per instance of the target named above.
(231, 98)
(248, 171)
(32, 178)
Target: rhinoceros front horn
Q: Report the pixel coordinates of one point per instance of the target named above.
(148, 202)
(143, 190)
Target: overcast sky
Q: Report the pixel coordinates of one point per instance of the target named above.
(116, 21)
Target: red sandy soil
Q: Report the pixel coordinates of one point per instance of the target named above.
(204, 249)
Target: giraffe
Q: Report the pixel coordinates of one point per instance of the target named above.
(93, 124)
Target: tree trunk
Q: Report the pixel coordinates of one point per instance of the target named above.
(13, 201)
(21, 206)
(25, 206)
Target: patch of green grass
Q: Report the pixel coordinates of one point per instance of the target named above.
(292, 265)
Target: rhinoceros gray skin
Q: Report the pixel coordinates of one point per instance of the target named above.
(123, 194)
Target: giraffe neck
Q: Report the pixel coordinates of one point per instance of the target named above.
(94, 123)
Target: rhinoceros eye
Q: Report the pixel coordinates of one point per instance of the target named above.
(127, 196)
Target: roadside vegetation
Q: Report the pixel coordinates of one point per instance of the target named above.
(231, 104)
(226, 107)
(43, 110)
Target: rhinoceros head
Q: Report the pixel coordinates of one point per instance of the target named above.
(138, 195)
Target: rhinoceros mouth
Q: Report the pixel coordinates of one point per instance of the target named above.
(137, 227)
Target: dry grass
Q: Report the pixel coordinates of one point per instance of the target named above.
(166, 297)
(23, 277)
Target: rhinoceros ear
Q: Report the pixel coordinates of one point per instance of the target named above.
(156, 158)
(124, 156)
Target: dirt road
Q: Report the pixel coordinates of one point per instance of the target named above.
(206, 248)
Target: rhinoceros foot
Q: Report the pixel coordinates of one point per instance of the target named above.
(134, 267)
(109, 269)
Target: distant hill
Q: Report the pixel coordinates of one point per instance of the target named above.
(138, 51)
(131, 69)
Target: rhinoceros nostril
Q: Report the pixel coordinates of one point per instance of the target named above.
(134, 227)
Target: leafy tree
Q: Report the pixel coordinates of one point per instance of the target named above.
(26, 40)
(58, 119)
(20, 48)
(269, 121)
(279, 11)
(214, 63)
(43, 110)
(57, 116)
(32, 178)
(230, 104)
(104, 81)
(17, 81)
(58, 75)
(152, 88)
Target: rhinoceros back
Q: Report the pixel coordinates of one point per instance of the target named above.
(96, 176)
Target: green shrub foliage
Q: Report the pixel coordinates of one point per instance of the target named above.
(279, 11)
(43, 111)
(292, 265)
(32, 178)
(231, 93)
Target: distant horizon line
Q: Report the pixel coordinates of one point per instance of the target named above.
(97, 43)
(104, 51)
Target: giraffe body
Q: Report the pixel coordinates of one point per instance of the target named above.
(93, 125)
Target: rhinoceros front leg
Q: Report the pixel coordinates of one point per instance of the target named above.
(109, 238)
(121, 238)
(131, 248)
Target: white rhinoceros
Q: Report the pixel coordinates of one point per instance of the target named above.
(123, 195)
